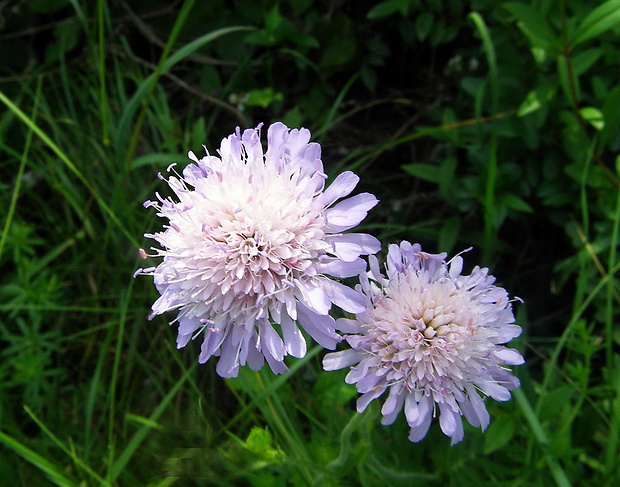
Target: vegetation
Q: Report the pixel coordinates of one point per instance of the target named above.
(476, 123)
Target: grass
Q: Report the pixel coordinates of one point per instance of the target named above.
(91, 393)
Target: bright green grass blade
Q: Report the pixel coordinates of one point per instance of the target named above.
(70, 165)
(331, 114)
(556, 469)
(605, 17)
(148, 85)
(491, 175)
(103, 97)
(66, 450)
(568, 331)
(52, 471)
(115, 370)
(20, 173)
(132, 446)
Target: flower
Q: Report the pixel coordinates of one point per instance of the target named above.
(252, 241)
(433, 338)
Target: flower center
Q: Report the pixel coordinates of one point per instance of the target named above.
(422, 331)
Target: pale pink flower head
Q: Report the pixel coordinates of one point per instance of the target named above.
(432, 338)
(253, 240)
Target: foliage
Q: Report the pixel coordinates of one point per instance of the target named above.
(479, 123)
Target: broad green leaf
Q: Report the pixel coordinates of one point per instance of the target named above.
(533, 25)
(262, 97)
(449, 233)
(602, 18)
(423, 25)
(446, 176)
(593, 116)
(426, 172)
(516, 203)
(499, 433)
(536, 99)
(385, 9)
(584, 60)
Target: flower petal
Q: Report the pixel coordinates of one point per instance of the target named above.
(340, 187)
(349, 212)
(340, 360)
(351, 245)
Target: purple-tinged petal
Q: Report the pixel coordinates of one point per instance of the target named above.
(509, 356)
(320, 327)
(349, 212)
(351, 245)
(365, 399)
(294, 340)
(346, 325)
(339, 268)
(269, 338)
(340, 360)
(342, 186)
(314, 297)
(344, 297)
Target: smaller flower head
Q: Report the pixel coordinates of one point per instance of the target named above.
(253, 239)
(432, 338)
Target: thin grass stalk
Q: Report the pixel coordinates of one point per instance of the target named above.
(20, 172)
(120, 340)
(491, 175)
(71, 454)
(69, 163)
(176, 29)
(103, 96)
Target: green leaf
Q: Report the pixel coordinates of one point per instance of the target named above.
(52, 471)
(499, 433)
(385, 9)
(426, 172)
(423, 25)
(611, 116)
(593, 116)
(449, 233)
(163, 159)
(536, 99)
(516, 203)
(602, 18)
(47, 6)
(533, 25)
(584, 60)
(262, 97)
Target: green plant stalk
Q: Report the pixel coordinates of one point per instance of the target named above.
(20, 172)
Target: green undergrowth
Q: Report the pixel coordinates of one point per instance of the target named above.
(484, 124)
